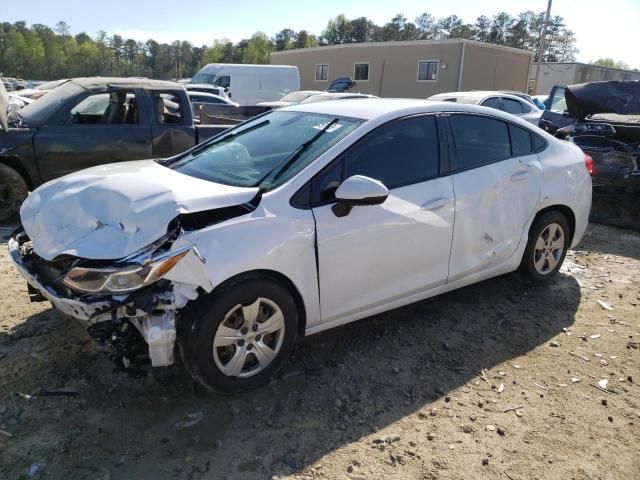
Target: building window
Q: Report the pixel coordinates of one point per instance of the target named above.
(428, 70)
(322, 72)
(361, 72)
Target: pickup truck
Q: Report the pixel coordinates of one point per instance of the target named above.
(92, 121)
(603, 119)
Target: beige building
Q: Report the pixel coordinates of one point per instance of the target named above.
(414, 69)
(556, 73)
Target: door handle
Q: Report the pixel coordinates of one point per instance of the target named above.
(436, 204)
(546, 123)
(519, 176)
(141, 140)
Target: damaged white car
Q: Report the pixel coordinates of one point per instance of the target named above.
(300, 220)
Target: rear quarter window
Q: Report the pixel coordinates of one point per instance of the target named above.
(521, 144)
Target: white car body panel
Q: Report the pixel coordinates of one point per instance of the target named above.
(531, 113)
(493, 205)
(381, 251)
(425, 239)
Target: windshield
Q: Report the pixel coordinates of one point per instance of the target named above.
(202, 77)
(247, 155)
(38, 112)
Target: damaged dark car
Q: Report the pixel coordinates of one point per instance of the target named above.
(603, 119)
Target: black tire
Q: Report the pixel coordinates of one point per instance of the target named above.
(528, 266)
(201, 318)
(13, 191)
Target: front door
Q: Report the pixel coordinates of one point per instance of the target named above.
(378, 254)
(100, 128)
(555, 114)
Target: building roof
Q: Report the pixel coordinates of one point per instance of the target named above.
(402, 44)
(551, 64)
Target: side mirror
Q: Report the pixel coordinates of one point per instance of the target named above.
(356, 191)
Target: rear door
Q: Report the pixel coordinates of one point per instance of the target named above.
(555, 114)
(172, 128)
(97, 128)
(497, 179)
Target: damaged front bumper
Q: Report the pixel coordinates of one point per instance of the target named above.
(152, 310)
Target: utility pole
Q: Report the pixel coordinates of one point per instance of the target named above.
(543, 34)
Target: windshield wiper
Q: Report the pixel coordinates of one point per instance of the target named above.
(283, 166)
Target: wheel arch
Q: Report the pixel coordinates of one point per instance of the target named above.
(273, 276)
(16, 164)
(563, 209)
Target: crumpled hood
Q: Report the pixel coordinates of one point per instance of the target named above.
(618, 97)
(111, 211)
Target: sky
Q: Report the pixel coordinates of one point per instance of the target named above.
(603, 28)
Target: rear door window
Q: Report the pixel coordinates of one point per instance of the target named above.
(167, 109)
(492, 103)
(478, 140)
(512, 106)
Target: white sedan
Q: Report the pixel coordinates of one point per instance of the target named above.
(298, 221)
(507, 102)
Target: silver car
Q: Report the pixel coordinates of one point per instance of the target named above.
(506, 102)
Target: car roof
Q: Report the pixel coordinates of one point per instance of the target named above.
(474, 96)
(94, 83)
(372, 108)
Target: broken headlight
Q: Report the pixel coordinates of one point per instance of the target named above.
(122, 280)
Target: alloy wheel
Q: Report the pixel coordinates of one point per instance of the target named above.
(249, 338)
(548, 249)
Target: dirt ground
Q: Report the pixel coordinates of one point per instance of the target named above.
(497, 380)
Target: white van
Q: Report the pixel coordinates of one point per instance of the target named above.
(251, 84)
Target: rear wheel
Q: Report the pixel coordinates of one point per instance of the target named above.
(13, 191)
(237, 338)
(547, 247)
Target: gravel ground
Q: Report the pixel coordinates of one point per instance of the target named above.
(497, 380)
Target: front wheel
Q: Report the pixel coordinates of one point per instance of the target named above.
(237, 338)
(547, 247)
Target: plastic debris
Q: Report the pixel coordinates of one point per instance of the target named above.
(593, 337)
(604, 305)
(190, 420)
(501, 388)
(603, 383)
(575, 380)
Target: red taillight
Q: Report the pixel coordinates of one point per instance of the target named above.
(588, 162)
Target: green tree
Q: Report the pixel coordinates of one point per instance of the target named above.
(427, 26)
(285, 39)
(257, 49)
(611, 63)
